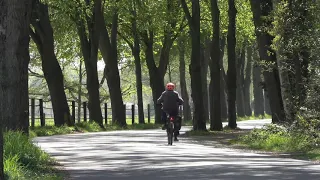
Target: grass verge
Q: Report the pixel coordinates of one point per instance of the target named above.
(85, 127)
(23, 160)
(279, 139)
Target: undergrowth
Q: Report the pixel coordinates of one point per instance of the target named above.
(85, 127)
(23, 160)
(302, 141)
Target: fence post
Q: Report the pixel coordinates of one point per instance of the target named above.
(132, 113)
(106, 113)
(85, 111)
(33, 112)
(73, 111)
(42, 118)
(149, 120)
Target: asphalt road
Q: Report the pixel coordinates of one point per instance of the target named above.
(144, 155)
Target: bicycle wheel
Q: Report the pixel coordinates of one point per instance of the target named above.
(170, 133)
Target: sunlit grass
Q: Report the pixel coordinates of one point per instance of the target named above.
(23, 160)
(278, 139)
(86, 127)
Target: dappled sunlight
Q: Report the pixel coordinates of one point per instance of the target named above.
(145, 155)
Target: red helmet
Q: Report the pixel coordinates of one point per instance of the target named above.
(170, 86)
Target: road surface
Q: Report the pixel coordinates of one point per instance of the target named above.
(144, 155)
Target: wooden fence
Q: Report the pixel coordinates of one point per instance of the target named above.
(42, 111)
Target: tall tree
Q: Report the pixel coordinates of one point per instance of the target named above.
(257, 87)
(80, 90)
(89, 41)
(232, 84)
(135, 46)
(157, 72)
(215, 74)
(183, 84)
(240, 81)
(294, 56)
(195, 66)
(137, 61)
(223, 81)
(42, 35)
(262, 9)
(205, 58)
(247, 82)
(14, 60)
(109, 50)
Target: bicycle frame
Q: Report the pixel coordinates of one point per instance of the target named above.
(170, 128)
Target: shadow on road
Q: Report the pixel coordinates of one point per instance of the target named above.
(144, 155)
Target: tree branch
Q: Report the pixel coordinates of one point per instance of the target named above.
(126, 40)
(187, 12)
(182, 26)
(35, 37)
(32, 73)
(114, 29)
(103, 78)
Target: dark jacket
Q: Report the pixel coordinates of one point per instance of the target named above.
(170, 101)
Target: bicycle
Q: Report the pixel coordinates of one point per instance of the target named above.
(170, 128)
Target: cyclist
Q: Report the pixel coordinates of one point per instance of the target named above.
(170, 100)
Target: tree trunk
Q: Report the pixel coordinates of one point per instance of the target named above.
(223, 83)
(247, 83)
(240, 83)
(232, 79)
(183, 84)
(257, 89)
(157, 73)
(43, 37)
(262, 9)
(80, 91)
(199, 122)
(14, 60)
(156, 79)
(204, 69)
(137, 62)
(267, 103)
(89, 47)
(215, 100)
(169, 73)
(109, 51)
(295, 57)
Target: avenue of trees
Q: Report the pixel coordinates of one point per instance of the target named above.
(229, 58)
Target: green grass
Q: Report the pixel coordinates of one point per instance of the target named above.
(279, 139)
(225, 130)
(85, 127)
(23, 160)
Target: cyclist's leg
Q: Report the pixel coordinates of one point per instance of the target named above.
(164, 119)
(176, 124)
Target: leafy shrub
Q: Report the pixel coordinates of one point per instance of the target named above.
(274, 137)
